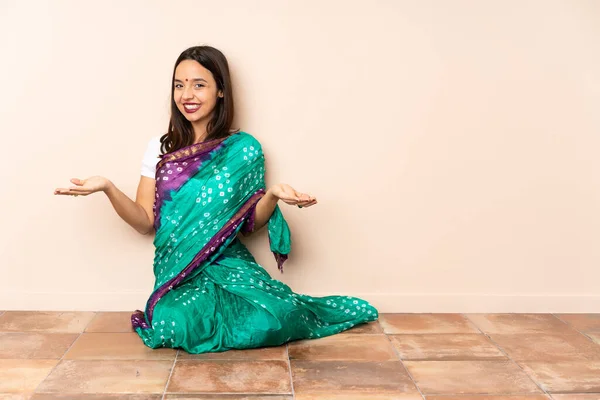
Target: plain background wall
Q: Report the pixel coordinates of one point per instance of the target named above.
(453, 145)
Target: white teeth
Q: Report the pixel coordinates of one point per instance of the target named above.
(190, 107)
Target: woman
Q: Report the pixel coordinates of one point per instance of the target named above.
(210, 295)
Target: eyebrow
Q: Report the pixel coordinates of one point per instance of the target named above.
(193, 80)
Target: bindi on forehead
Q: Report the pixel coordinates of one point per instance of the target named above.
(193, 80)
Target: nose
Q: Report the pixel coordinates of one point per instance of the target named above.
(187, 93)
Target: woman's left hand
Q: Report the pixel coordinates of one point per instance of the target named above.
(290, 196)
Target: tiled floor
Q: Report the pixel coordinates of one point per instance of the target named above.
(85, 355)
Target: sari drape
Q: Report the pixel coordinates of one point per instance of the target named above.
(210, 295)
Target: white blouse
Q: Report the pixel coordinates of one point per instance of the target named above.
(151, 157)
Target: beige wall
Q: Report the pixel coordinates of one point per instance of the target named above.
(453, 145)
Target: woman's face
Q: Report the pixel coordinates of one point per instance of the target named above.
(195, 91)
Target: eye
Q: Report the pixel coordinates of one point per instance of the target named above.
(199, 85)
(178, 85)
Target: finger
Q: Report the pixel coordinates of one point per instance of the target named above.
(70, 194)
(309, 200)
(308, 204)
(78, 182)
(79, 189)
(80, 192)
(303, 197)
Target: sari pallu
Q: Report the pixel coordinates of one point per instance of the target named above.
(210, 294)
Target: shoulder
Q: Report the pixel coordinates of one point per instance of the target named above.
(154, 142)
(152, 153)
(244, 139)
(153, 147)
(151, 157)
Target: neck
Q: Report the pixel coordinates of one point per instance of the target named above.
(200, 132)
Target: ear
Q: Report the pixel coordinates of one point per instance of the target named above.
(220, 94)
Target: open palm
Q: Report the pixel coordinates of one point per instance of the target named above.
(84, 187)
(290, 196)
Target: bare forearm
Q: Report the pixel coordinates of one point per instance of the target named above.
(131, 212)
(264, 210)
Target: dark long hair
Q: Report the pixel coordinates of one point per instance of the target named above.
(180, 132)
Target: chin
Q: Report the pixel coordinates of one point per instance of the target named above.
(192, 118)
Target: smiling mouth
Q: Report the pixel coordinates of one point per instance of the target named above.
(191, 108)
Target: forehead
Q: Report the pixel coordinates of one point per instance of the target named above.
(191, 69)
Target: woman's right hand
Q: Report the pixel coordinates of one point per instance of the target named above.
(84, 187)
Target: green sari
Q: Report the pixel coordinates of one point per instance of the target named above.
(210, 295)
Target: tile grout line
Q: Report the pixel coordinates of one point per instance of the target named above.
(573, 327)
(287, 353)
(402, 363)
(170, 374)
(65, 353)
(507, 356)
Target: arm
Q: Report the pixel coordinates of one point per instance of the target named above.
(264, 209)
(138, 213)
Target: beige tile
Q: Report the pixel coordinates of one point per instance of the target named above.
(460, 346)
(470, 377)
(115, 346)
(351, 396)
(544, 347)
(426, 323)
(567, 376)
(519, 323)
(264, 353)
(34, 321)
(356, 378)
(344, 348)
(226, 397)
(15, 396)
(228, 376)
(575, 396)
(82, 396)
(111, 322)
(35, 345)
(102, 376)
(582, 322)
(23, 375)
(369, 328)
(486, 397)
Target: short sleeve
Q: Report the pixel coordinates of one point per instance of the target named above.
(151, 158)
